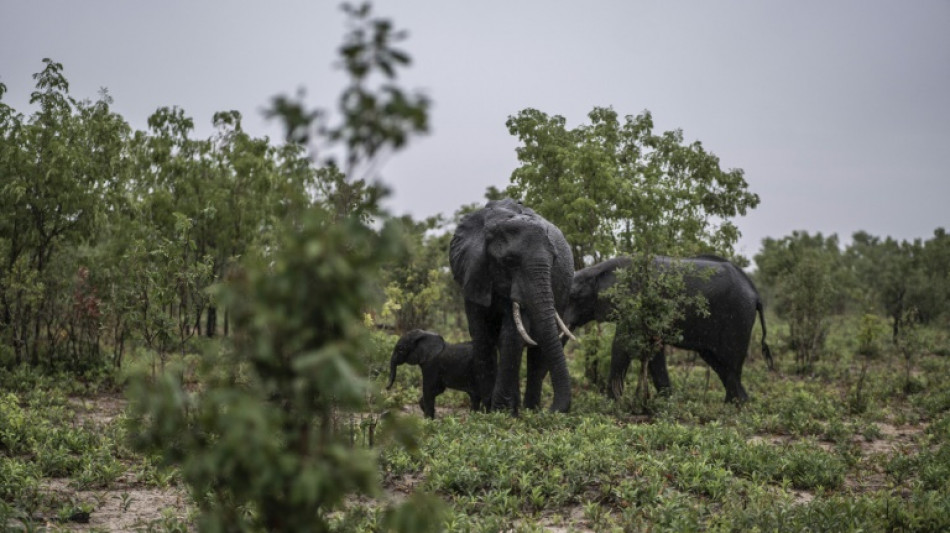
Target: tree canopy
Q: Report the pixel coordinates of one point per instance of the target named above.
(616, 186)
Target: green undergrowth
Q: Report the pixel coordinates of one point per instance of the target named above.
(837, 449)
(844, 447)
(52, 448)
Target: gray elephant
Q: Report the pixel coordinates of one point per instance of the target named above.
(443, 366)
(515, 269)
(721, 338)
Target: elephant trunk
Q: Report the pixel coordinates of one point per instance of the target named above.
(542, 311)
(393, 363)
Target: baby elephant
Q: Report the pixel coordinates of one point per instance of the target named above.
(443, 366)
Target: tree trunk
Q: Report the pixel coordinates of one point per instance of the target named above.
(212, 321)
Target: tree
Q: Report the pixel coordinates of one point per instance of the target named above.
(60, 167)
(616, 187)
(416, 284)
(648, 301)
(804, 273)
(269, 444)
(263, 452)
(903, 276)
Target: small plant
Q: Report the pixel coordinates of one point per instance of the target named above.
(649, 300)
(910, 343)
(126, 501)
(870, 332)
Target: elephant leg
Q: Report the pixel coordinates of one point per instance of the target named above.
(484, 330)
(506, 393)
(659, 373)
(475, 401)
(430, 389)
(620, 358)
(537, 369)
(730, 377)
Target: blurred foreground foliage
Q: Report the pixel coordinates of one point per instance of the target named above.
(263, 444)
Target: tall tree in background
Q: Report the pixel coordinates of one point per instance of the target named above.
(615, 186)
(807, 282)
(904, 276)
(59, 168)
(416, 285)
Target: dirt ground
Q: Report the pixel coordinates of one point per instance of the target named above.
(126, 505)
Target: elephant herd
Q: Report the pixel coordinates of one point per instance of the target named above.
(517, 277)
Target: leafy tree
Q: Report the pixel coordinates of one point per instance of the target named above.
(258, 446)
(936, 263)
(805, 275)
(615, 186)
(265, 452)
(905, 275)
(648, 301)
(417, 283)
(60, 167)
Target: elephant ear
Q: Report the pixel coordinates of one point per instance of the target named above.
(607, 273)
(427, 346)
(469, 260)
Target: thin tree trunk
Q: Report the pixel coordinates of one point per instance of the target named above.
(212, 321)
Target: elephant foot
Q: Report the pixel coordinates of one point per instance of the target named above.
(499, 404)
(737, 398)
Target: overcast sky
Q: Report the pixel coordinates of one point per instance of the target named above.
(838, 112)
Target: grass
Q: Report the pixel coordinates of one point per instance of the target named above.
(59, 462)
(846, 447)
(805, 453)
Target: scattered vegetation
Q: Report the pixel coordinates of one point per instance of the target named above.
(194, 334)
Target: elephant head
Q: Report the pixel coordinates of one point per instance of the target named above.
(415, 348)
(589, 283)
(507, 259)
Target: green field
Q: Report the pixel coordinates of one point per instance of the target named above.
(836, 449)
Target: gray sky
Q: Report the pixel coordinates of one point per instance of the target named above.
(839, 112)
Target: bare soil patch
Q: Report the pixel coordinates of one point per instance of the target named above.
(100, 410)
(122, 507)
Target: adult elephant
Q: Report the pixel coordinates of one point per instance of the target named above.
(515, 269)
(721, 337)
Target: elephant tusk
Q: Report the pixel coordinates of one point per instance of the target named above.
(564, 329)
(516, 310)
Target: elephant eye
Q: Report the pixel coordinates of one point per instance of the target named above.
(510, 261)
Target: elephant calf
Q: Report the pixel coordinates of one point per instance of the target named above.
(443, 366)
(721, 337)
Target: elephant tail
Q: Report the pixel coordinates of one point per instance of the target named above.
(766, 352)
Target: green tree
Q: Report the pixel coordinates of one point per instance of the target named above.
(265, 453)
(615, 186)
(618, 187)
(805, 277)
(416, 285)
(648, 301)
(258, 446)
(900, 276)
(60, 168)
